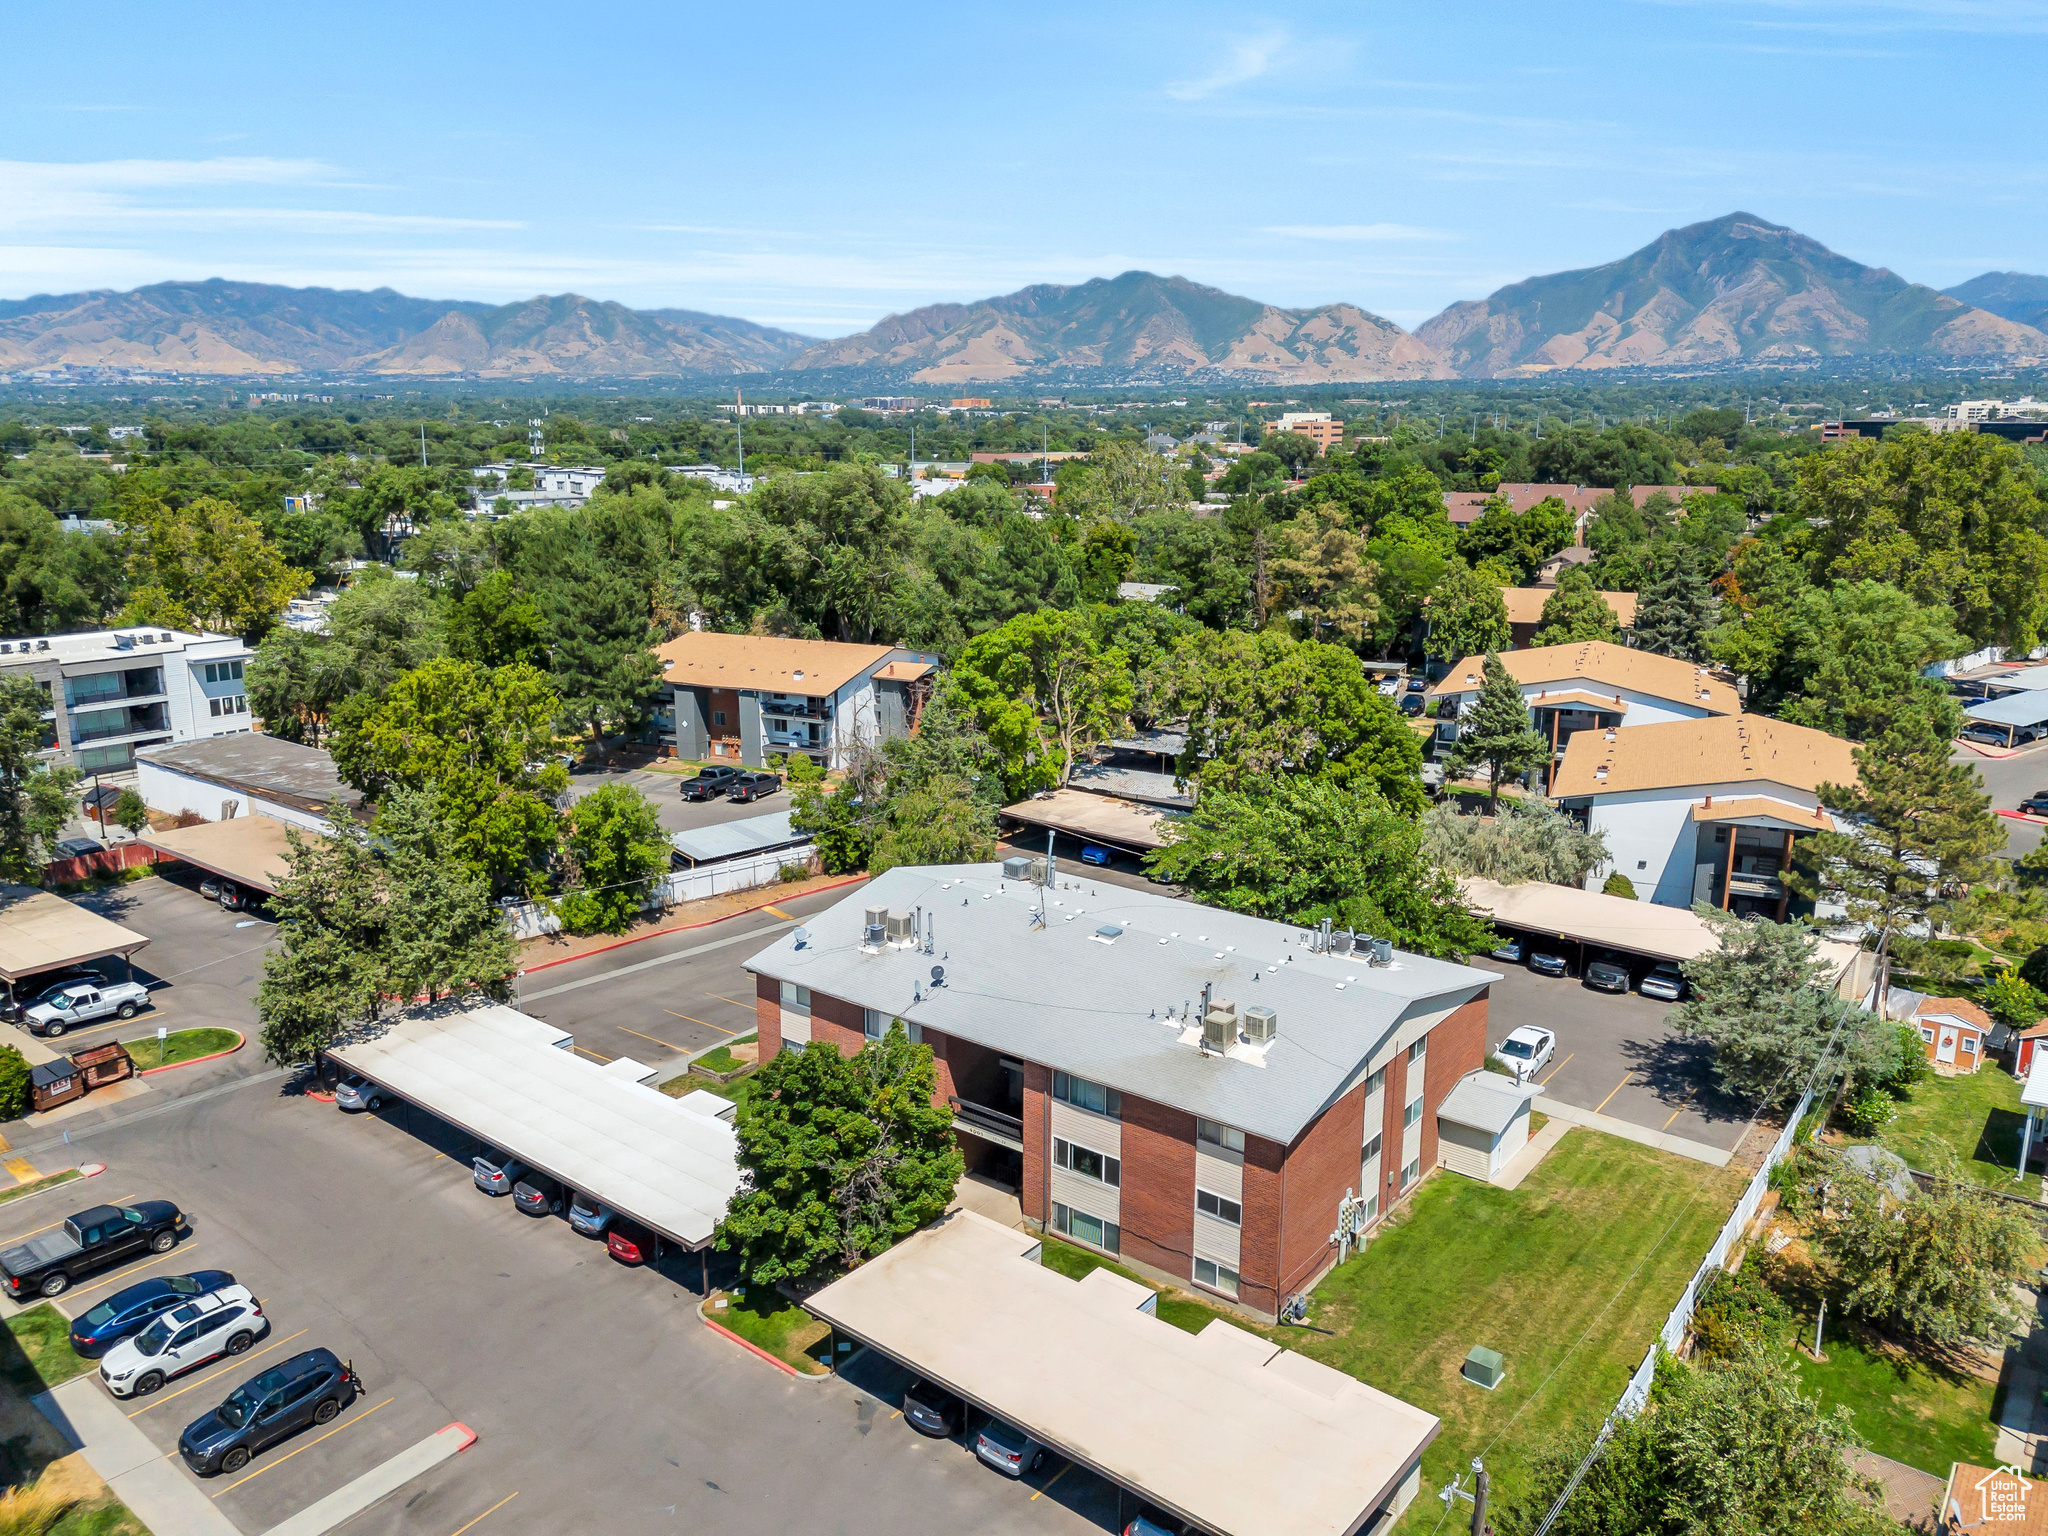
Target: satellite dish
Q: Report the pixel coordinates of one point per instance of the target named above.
(802, 936)
(938, 975)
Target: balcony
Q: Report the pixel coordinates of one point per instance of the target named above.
(100, 689)
(107, 725)
(796, 709)
(989, 1123)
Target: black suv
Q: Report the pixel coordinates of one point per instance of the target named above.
(752, 786)
(306, 1389)
(709, 784)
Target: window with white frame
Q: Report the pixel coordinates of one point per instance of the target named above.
(1082, 1227)
(1376, 1082)
(795, 998)
(875, 1025)
(1082, 1094)
(223, 671)
(1411, 1173)
(1927, 1035)
(1217, 1134)
(1418, 1050)
(1372, 1149)
(233, 704)
(1213, 1276)
(1413, 1112)
(1970, 1044)
(1088, 1163)
(1209, 1203)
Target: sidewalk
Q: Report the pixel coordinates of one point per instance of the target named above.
(1524, 1162)
(555, 949)
(1679, 1146)
(151, 1484)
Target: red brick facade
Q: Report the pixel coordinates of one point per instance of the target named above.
(1258, 1235)
(842, 1023)
(1321, 1165)
(1157, 1199)
(767, 1017)
(1037, 1141)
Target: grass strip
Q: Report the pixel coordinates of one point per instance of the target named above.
(181, 1046)
(772, 1323)
(33, 1186)
(41, 1356)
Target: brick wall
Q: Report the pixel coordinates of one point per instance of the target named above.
(944, 1088)
(1158, 1194)
(1320, 1166)
(1456, 1047)
(768, 1015)
(1037, 1092)
(1258, 1240)
(838, 1021)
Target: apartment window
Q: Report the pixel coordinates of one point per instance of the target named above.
(1218, 1135)
(1372, 1207)
(1213, 1276)
(1376, 1083)
(1083, 1094)
(1092, 1230)
(1414, 1112)
(1372, 1150)
(795, 998)
(1211, 1204)
(875, 1024)
(223, 671)
(1418, 1050)
(93, 689)
(718, 718)
(234, 704)
(1088, 1163)
(1411, 1173)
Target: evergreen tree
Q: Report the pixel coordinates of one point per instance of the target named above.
(35, 799)
(1919, 831)
(1679, 608)
(1497, 733)
(1577, 612)
(326, 976)
(443, 934)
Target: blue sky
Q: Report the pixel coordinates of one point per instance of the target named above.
(818, 166)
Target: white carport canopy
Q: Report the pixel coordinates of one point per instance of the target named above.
(40, 930)
(249, 850)
(511, 1080)
(1220, 1428)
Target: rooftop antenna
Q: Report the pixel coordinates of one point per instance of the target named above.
(536, 440)
(739, 414)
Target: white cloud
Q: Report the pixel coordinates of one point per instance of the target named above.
(1355, 233)
(1246, 61)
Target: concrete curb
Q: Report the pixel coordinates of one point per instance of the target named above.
(605, 949)
(2039, 821)
(240, 1041)
(755, 1349)
(352, 1498)
(149, 1482)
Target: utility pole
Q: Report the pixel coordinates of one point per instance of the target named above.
(423, 445)
(739, 416)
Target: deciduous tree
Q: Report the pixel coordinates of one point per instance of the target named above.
(1467, 616)
(204, 566)
(616, 849)
(35, 798)
(1525, 840)
(1576, 612)
(1044, 692)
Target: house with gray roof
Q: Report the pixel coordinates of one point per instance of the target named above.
(1205, 1095)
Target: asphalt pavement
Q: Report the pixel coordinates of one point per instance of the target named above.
(661, 786)
(2009, 781)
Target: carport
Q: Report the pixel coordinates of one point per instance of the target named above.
(40, 931)
(512, 1081)
(1123, 824)
(2012, 713)
(727, 840)
(1221, 1429)
(249, 850)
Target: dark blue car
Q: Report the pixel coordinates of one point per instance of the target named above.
(307, 1389)
(130, 1311)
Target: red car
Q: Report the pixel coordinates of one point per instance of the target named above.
(633, 1245)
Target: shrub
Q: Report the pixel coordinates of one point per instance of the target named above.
(32, 1509)
(1739, 1313)
(1870, 1111)
(13, 1083)
(1619, 884)
(2014, 1000)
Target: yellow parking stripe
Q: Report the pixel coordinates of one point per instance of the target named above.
(1546, 1077)
(156, 1402)
(288, 1455)
(22, 1169)
(779, 913)
(1063, 1471)
(733, 1000)
(491, 1511)
(688, 1020)
(1617, 1088)
(662, 1043)
(591, 1054)
(32, 1231)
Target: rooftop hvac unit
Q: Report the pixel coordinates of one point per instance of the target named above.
(1340, 943)
(1017, 869)
(1261, 1024)
(902, 928)
(1382, 951)
(1219, 1030)
(42, 645)
(874, 925)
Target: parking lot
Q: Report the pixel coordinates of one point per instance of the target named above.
(2010, 780)
(600, 1400)
(660, 786)
(1616, 1056)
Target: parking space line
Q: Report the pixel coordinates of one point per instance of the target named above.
(248, 1355)
(491, 1511)
(663, 1043)
(1556, 1069)
(32, 1231)
(778, 912)
(591, 1054)
(125, 1275)
(688, 1020)
(724, 999)
(1678, 1111)
(288, 1455)
(22, 1169)
(1617, 1088)
(1063, 1471)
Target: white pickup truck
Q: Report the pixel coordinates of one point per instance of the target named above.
(81, 1004)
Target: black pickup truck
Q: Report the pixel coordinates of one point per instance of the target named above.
(46, 1265)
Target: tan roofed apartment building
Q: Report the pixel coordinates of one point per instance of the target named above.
(1525, 611)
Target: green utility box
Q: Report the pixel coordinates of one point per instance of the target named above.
(1484, 1367)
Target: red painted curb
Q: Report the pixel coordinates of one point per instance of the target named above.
(324, 1098)
(603, 949)
(780, 1365)
(216, 1056)
(468, 1436)
(91, 1170)
(2039, 821)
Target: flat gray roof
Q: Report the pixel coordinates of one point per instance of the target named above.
(1145, 785)
(730, 839)
(1071, 996)
(2028, 706)
(40, 930)
(1486, 1101)
(303, 777)
(512, 1081)
(1218, 1427)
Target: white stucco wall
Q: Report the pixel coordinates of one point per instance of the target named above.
(165, 789)
(1643, 708)
(1651, 835)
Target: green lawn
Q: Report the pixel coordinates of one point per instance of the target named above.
(721, 1059)
(1175, 1307)
(182, 1045)
(1977, 1117)
(41, 1356)
(771, 1322)
(102, 1517)
(1596, 1246)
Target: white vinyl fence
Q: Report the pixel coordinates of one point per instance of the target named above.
(530, 920)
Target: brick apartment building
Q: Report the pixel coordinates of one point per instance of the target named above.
(1071, 1043)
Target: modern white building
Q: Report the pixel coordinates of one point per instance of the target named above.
(112, 691)
(1705, 810)
(1591, 686)
(719, 479)
(554, 485)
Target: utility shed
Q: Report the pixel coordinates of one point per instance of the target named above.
(1482, 1123)
(511, 1080)
(40, 930)
(1220, 1429)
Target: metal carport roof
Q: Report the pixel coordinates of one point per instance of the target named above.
(2029, 706)
(1221, 1428)
(249, 850)
(40, 930)
(731, 839)
(511, 1080)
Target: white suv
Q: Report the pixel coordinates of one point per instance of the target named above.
(222, 1322)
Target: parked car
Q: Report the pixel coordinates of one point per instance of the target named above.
(1528, 1050)
(2036, 804)
(1545, 962)
(1390, 686)
(588, 1216)
(354, 1092)
(1511, 948)
(1153, 1524)
(307, 1389)
(495, 1173)
(1665, 982)
(538, 1195)
(31, 990)
(749, 787)
(633, 1244)
(932, 1410)
(1418, 685)
(222, 1322)
(75, 847)
(226, 892)
(1606, 975)
(81, 1002)
(1994, 735)
(709, 783)
(1009, 1450)
(134, 1308)
(1099, 857)
(47, 1264)
(1413, 705)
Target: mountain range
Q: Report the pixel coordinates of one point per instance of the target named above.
(1732, 292)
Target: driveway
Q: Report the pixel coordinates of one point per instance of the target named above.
(2009, 781)
(1617, 1056)
(677, 814)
